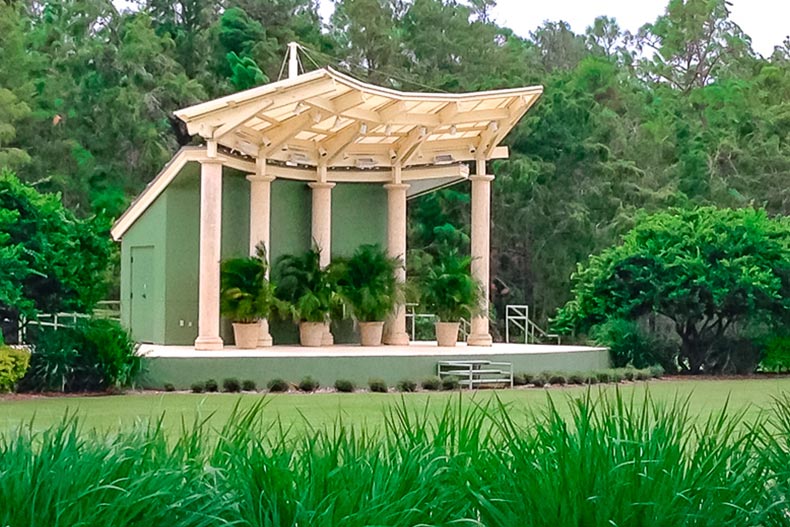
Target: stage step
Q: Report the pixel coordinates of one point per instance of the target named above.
(475, 372)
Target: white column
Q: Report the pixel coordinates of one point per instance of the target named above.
(481, 249)
(322, 225)
(322, 219)
(395, 330)
(210, 239)
(260, 225)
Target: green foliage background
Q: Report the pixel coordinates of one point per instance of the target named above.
(682, 112)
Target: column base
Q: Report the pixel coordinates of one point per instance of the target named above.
(264, 338)
(396, 339)
(483, 339)
(208, 343)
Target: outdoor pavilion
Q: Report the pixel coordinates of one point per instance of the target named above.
(326, 128)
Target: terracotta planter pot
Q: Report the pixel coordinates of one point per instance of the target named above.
(246, 335)
(311, 334)
(447, 333)
(370, 333)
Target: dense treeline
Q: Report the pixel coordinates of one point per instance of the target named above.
(683, 112)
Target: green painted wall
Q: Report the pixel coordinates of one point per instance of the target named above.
(182, 372)
(149, 230)
(172, 226)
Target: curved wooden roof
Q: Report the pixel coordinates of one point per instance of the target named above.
(326, 117)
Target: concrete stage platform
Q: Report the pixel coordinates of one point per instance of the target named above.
(183, 365)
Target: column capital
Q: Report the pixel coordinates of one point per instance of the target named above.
(397, 186)
(320, 184)
(253, 178)
(210, 161)
(481, 177)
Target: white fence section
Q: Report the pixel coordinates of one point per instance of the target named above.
(109, 309)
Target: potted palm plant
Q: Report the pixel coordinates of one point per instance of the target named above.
(367, 286)
(246, 296)
(309, 292)
(449, 291)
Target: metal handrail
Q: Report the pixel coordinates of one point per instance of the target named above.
(518, 316)
(411, 320)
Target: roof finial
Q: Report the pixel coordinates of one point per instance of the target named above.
(293, 60)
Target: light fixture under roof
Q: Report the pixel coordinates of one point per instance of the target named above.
(388, 130)
(493, 126)
(453, 130)
(365, 162)
(299, 108)
(296, 158)
(443, 159)
(363, 128)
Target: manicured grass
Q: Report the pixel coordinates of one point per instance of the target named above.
(315, 410)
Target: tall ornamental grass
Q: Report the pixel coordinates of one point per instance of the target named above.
(597, 460)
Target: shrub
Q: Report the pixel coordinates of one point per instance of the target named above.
(603, 376)
(231, 384)
(616, 376)
(777, 355)
(643, 375)
(656, 371)
(591, 378)
(378, 385)
(277, 385)
(198, 387)
(576, 378)
(13, 366)
(308, 384)
(629, 374)
(519, 379)
(212, 386)
(540, 380)
(431, 384)
(170, 387)
(93, 355)
(628, 343)
(344, 386)
(450, 382)
(557, 379)
(248, 385)
(406, 385)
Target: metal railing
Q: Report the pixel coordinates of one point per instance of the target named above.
(517, 316)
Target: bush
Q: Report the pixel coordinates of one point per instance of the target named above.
(557, 379)
(576, 378)
(519, 379)
(198, 387)
(248, 385)
(603, 376)
(643, 375)
(212, 386)
(656, 371)
(13, 366)
(616, 376)
(308, 384)
(231, 384)
(95, 354)
(277, 385)
(777, 355)
(629, 374)
(169, 387)
(378, 385)
(591, 378)
(406, 385)
(431, 384)
(344, 386)
(628, 343)
(451, 382)
(540, 380)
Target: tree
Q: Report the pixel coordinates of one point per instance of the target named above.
(50, 260)
(708, 270)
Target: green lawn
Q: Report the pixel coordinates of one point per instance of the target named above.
(110, 412)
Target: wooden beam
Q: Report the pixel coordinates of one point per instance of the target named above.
(339, 142)
(241, 117)
(286, 130)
